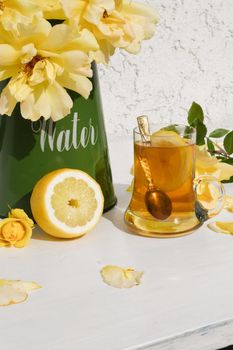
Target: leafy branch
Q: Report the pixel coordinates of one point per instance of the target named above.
(219, 142)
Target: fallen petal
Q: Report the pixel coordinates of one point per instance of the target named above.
(23, 286)
(10, 295)
(119, 277)
(222, 227)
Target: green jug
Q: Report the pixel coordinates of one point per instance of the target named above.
(29, 150)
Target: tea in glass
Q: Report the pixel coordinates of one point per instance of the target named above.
(167, 163)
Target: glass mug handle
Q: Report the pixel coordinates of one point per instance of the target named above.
(204, 213)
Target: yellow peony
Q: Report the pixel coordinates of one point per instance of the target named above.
(115, 23)
(16, 12)
(16, 230)
(42, 62)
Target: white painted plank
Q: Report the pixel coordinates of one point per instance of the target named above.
(185, 301)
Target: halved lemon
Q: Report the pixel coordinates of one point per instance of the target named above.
(172, 160)
(167, 138)
(67, 203)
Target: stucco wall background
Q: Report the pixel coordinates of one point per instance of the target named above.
(189, 59)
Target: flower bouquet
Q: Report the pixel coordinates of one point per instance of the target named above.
(49, 87)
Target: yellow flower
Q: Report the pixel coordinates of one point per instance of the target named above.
(16, 230)
(115, 23)
(16, 12)
(210, 165)
(42, 62)
(51, 8)
(20, 214)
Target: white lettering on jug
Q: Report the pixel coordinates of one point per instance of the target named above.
(64, 140)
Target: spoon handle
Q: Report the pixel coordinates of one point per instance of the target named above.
(147, 172)
(144, 128)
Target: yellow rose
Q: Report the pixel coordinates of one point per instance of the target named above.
(16, 230)
(14, 13)
(115, 23)
(41, 63)
(20, 214)
(210, 165)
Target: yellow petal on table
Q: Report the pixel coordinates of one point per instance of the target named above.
(229, 203)
(222, 227)
(22, 286)
(15, 291)
(10, 295)
(119, 277)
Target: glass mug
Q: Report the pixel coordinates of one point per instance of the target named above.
(168, 161)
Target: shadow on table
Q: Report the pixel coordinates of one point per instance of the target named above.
(116, 215)
(40, 235)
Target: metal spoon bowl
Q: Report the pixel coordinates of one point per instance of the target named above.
(158, 204)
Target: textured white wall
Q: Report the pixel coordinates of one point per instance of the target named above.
(189, 59)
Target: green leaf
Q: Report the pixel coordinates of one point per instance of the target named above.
(188, 131)
(210, 145)
(218, 133)
(227, 160)
(228, 142)
(228, 181)
(201, 133)
(195, 113)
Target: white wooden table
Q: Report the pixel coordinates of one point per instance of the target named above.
(184, 303)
